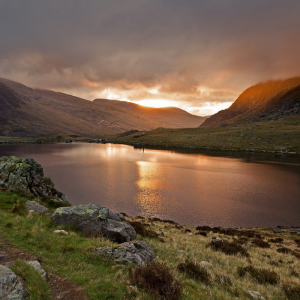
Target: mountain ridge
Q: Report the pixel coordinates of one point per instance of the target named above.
(28, 112)
(257, 101)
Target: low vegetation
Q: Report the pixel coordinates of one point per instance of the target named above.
(195, 271)
(276, 136)
(262, 276)
(157, 280)
(188, 265)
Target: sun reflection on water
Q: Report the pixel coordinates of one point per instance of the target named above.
(149, 196)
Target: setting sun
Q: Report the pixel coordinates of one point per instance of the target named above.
(157, 103)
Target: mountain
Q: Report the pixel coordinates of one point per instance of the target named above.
(269, 100)
(28, 112)
(168, 117)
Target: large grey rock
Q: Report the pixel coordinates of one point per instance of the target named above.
(36, 207)
(136, 252)
(27, 176)
(11, 286)
(95, 219)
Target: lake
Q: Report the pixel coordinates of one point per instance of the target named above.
(189, 188)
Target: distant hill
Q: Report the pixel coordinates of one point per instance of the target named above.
(271, 100)
(168, 117)
(27, 112)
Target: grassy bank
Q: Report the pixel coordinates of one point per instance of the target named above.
(225, 277)
(276, 136)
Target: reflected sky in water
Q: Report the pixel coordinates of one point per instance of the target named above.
(192, 189)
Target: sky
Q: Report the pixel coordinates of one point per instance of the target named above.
(194, 54)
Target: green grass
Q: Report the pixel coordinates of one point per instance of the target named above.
(283, 135)
(72, 257)
(36, 286)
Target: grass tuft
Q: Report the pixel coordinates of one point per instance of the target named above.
(194, 271)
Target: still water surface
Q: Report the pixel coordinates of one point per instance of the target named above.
(192, 189)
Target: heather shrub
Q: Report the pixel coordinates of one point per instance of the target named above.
(229, 248)
(276, 240)
(156, 279)
(291, 290)
(262, 276)
(260, 243)
(284, 250)
(194, 271)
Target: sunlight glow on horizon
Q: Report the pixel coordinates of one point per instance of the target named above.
(204, 109)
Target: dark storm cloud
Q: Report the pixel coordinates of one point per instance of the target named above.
(129, 46)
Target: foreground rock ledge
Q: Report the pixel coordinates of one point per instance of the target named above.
(93, 219)
(27, 176)
(137, 252)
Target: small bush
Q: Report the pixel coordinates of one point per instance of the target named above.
(203, 233)
(260, 243)
(138, 227)
(48, 181)
(284, 250)
(276, 240)
(297, 242)
(297, 254)
(8, 225)
(229, 232)
(36, 286)
(262, 276)
(194, 271)
(204, 228)
(273, 263)
(187, 230)
(157, 280)
(19, 208)
(229, 248)
(291, 290)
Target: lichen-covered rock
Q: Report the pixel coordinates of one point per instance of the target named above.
(136, 252)
(11, 286)
(36, 207)
(94, 219)
(27, 176)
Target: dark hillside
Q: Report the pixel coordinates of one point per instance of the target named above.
(254, 102)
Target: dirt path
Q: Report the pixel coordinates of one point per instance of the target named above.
(61, 289)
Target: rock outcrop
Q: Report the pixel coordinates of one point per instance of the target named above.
(36, 207)
(136, 252)
(27, 176)
(94, 219)
(11, 286)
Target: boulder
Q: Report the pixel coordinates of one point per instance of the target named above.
(60, 232)
(93, 219)
(27, 176)
(36, 266)
(36, 207)
(255, 295)
(136, 252)
(11, 286)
